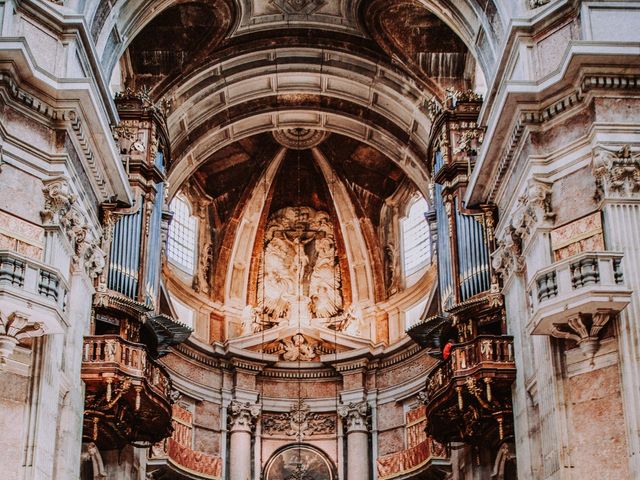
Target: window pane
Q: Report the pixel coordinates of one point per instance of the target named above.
(182, 235)
(415, 234)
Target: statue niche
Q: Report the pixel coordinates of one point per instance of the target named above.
(299, 281)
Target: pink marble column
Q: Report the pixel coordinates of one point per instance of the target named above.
(242, 417)
(354, 416)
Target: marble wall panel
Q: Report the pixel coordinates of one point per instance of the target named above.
(598, 443)
(13, 399)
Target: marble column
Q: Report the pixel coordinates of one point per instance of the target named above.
(355, 416)
(242, 418)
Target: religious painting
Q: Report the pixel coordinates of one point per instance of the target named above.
(299, 462)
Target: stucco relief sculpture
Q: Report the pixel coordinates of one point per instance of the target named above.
(298, 348)
(300, 281)
(299, 422)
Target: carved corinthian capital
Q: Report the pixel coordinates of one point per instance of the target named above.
(507, 259)
(534, 209)
(354, 416)
(242, 415)
(617, 173)
(57, 200)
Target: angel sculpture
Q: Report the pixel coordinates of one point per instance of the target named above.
(298, 348)
(278, 282)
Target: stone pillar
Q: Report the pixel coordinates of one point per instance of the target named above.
(354, 416)
(241, 417)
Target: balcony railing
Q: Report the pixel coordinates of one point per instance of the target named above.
(23, 279)
(111, 353)
(412, 460)
(583, 284)
(486, 355)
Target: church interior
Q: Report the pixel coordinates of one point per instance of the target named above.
(319, 239)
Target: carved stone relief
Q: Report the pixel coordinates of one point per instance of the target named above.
(533, 210)
(299, 282)
(300, 422)
(298, 347)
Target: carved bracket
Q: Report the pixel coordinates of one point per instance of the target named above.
(14, 328)
(584, 331)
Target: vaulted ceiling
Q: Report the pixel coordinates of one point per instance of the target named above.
(364, 74)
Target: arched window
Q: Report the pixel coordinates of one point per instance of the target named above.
(181, 248)
(416, 244)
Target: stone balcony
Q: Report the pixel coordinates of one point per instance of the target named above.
(470, 392)
(33, 288)
(33, 299)
(575, 297)
(128, 395)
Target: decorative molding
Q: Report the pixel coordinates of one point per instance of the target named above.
(546, 113)
(300, 422)
(355, 415)
(242, 416)
(298, 7)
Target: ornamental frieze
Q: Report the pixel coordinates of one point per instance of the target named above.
(299, 422)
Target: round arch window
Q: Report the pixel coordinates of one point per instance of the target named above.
(299, 462)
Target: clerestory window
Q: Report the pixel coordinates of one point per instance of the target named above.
(415, 237)
(181, 248)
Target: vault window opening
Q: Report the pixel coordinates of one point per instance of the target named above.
(181, 249)
(416, 245)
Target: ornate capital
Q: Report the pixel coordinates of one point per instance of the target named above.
(14, 328)
(355, 416)
(60, 208)
(507, 259)
(242, 416)
(534, 208)
(617, 173)
(58, 200)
